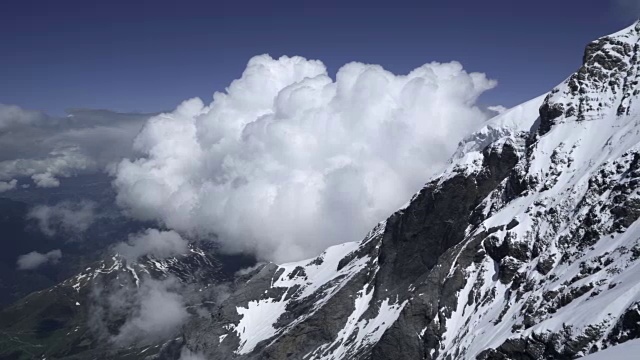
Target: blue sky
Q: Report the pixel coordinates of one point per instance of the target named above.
(150, 55)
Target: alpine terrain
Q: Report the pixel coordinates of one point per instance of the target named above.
(526, 247)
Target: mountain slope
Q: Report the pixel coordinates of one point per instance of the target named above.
(83, 317)
(525, 248)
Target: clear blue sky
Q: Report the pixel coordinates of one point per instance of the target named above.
(150, 55)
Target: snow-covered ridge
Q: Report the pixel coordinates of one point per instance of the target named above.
(520, 118)
(510, 126)
(183, 266)
(574, 222)
(605, 84)
(316, 279)
(303, 279)
(625, 351)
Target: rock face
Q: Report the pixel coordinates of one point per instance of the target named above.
(526, 247)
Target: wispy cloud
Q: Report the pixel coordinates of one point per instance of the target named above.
(35, 259)
(153, 311)
(498, 109)
(71, 218)
(186, 354)
(46, 149)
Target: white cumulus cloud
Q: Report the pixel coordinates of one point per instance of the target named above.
(288, 161)
(45, 180)
(159, 244)
(35, 259)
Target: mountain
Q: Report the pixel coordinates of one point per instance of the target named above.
(526, 247)
(80, 318)
(24, 233)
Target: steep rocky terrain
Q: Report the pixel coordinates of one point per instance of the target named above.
(527, 247)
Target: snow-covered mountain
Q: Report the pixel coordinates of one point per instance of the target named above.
(526, 247)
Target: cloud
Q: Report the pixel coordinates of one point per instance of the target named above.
(45, 149)
(35, 259)
(153, 311)
(497, 109)
(288, 161)
(159, 244)
(8, 185)
(159, 314)
(248, 270)
(12, 117)
(186, 354)
(70, 218)
(219, 293)
(45, 180)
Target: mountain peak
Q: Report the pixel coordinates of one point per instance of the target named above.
(629, 30)
(604, 86)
